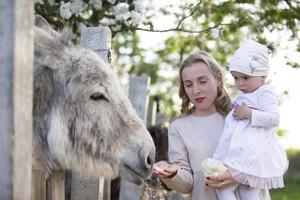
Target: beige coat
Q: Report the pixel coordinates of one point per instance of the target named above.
(191, 140)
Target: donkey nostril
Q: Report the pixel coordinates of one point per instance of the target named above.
(149, 161)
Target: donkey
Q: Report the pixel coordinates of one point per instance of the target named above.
(82, 120)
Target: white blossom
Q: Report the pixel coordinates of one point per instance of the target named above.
(122, 12)
(65, 10)
(122, 17)
(121, 8)
(97, 4)
(139, 5)
(107, 21)
(136, 17)
(215, 32)
(218, 2)
(211, 167)
(76, 6)
(111, 1)
(116, 28)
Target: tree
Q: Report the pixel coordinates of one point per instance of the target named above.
(120, 16)
(216, 26)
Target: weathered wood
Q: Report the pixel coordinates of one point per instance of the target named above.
(151, 113)
(138, 95)
(97, 39)
(56, 186)
(16, 59)
(105, 189)
(39, 178)
(38, 191)
(84, 187)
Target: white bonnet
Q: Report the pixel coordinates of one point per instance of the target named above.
(251, 59)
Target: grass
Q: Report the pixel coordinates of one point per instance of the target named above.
(290, 192)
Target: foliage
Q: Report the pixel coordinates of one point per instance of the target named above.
(281, 132)
(294, 161)
(119, 15)
(219, 28)
(216, 26)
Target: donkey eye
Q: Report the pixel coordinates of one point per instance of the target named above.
(98, 96)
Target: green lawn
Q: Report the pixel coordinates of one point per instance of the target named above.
(290, 192)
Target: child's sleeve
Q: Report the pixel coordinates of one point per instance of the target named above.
(268, 114)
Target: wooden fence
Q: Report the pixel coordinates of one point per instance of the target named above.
(16, 61)
(17, 170)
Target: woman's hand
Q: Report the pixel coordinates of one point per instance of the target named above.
(221, 181)
(164, 169)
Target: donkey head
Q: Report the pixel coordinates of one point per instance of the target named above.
(82, 119)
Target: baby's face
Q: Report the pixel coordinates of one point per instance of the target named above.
(247, 83)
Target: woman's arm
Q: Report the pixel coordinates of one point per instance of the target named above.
(225, 180)
(177, 173)
(221, 181)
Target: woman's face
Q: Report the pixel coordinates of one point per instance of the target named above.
(201, 87)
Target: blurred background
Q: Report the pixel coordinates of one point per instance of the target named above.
(151, 38)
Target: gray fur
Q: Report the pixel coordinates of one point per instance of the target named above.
(82, 120)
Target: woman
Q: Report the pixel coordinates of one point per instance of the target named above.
(194, 136)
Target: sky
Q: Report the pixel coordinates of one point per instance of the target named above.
(282, 77)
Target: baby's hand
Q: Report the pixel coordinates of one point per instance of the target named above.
(242, 112)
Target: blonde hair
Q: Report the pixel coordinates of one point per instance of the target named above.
(222, 101)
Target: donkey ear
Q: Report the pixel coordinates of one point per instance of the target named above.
(41, 22)
(64, 36)
(48, 50)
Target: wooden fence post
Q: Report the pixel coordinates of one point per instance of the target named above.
(138, 95)
(16, 60)
(56, 186)
(151, 115)
(97, 39)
